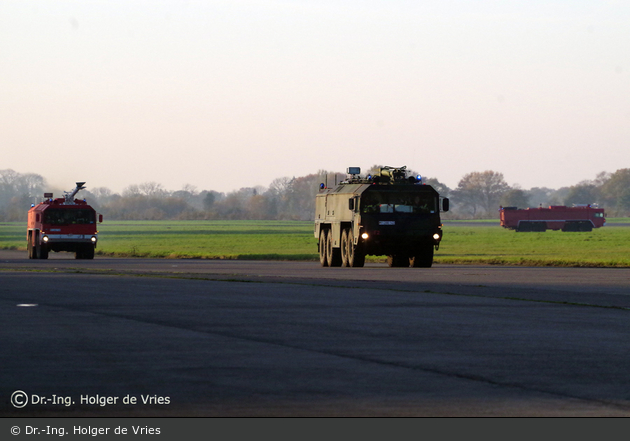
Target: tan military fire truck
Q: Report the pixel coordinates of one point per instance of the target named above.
(385, 214)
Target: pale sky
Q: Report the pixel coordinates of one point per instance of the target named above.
(228, 94)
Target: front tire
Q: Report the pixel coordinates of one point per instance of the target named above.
(424, 258)
(85, 252)
(29, 247)
(41, 251)
(89, 253)
(356, 256)
(345, 248)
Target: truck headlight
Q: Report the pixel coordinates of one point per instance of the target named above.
(45, 239)
(364, 236)
(436, 236)
(93, 239)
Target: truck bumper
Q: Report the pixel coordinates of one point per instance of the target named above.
(67, 242)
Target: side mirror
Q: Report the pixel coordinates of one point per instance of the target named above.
(100, 218)
(445, 204)
(351, 204)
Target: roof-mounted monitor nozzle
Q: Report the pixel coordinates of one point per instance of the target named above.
(69, 196)
(393, 173)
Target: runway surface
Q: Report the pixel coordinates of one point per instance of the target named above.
(260, 338)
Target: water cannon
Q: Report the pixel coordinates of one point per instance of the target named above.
(394, 174)
(69, 196)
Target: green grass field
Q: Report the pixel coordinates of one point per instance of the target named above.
(463, 243)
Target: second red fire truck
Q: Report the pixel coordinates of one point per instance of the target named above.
(556, 217)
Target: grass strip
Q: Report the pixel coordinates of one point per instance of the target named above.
(484, 243)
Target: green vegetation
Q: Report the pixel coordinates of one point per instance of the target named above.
(482, 243)
(265, 240)
(602, 247)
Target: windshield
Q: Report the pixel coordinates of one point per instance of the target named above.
(69, 217)
(386, 202)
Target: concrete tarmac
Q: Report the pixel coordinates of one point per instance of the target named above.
(237, 338)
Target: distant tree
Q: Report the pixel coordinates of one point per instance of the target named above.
(183, 195)
(31, 184)
(17, 192)
(152, 189)
(540, 196)
(480, 193)
(582, 194)
(441, 188)
(601, 178)
(261, 207)
(102, 193)
(559, 196)
(615, 192)
(515, 198)
(302, 197)
(190, 189)
(131, 190)
(622, 207)
(208, 200)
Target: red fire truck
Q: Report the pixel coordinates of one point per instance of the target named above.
(556, 217)
(62, 224)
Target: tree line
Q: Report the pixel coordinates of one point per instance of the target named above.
(478, 195)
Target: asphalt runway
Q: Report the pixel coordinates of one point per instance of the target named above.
(260, 338)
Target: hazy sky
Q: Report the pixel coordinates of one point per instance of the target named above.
(228, 94)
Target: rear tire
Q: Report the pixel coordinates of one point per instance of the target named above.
(571, 227)
(532, 226)
(323, 260)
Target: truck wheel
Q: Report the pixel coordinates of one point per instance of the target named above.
(424, 259)
(89, 252)
(396, 261)
(84, 252)
(345, 245)
(322, 248)
(333, 255)
(571, 227)
(356, 256)
(41, 251)
(29, 247)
